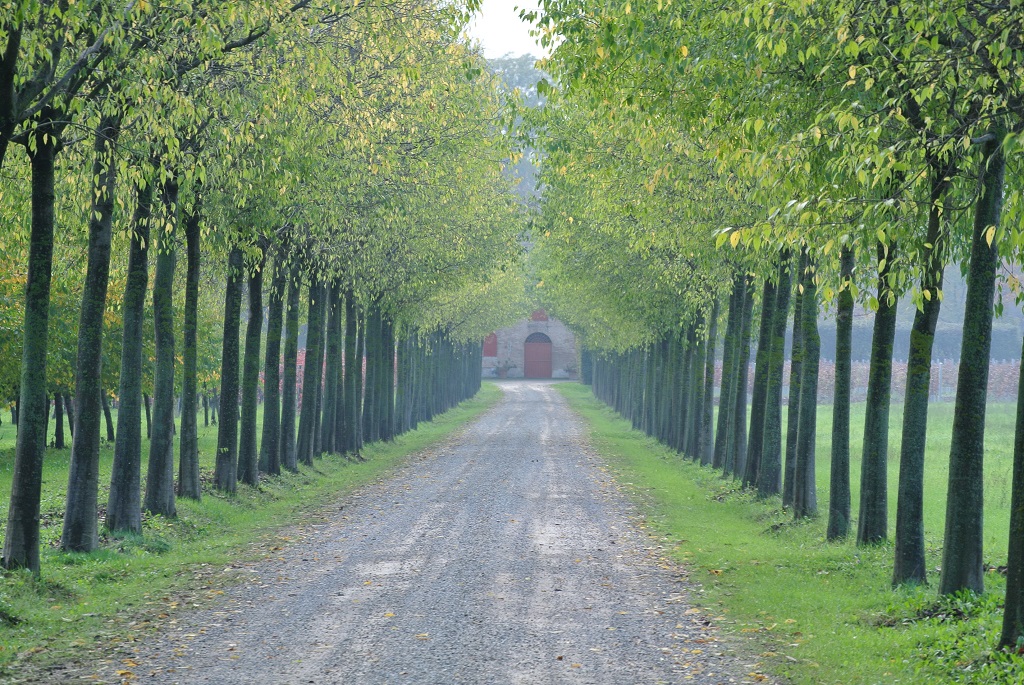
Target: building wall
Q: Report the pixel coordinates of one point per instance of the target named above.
(510, 348)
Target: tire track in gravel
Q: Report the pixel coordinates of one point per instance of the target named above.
(506, 555)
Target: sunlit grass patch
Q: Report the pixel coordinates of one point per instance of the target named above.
(806, 609)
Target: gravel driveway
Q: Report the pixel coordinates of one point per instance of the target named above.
(506, 555)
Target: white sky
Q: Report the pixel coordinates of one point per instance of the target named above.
(499, 30)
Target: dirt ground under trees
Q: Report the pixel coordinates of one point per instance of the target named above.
(507, 555)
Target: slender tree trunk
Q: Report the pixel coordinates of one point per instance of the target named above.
(108, 418)
(739, 440)
(769, 477)
(160, 473)
(225, 475)
(81, 526)
(21, 542)
(270, 441)
(696, 392)
(311, 374)
(1013, 615)
(962, 545)
(69, 409)
(839, 478)
(124, 506)
(371, 405)
(332, 366)
(795, 378)
(387, 379)
(360, 378)
(148, 404)
(188, 450)
(353, 368)
(873, 519)
(757, 405)
(726, 396)
(58, 415)
(706, 447)
(248, 451)
(206, 408)
(805, 499)
(909, 560)
(289, 385)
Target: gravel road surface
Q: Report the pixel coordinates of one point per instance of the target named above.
(506, 555)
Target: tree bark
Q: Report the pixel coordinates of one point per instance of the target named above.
(225, 477)
(726, 396)
(81, 526)
(270, 441)
(795, 378)
(839, 478)
(333, 364)
(873, 519)
(311, 374)
(188, 450)
(739, 417)
(909, 560)
(757, 405)
(160, 473)
(353, 369)
(108, 418)
(58, 416)
(962, 545)
(805, 499)
(21, 542)
(706, 446)
(124, 506)
(289, 385)
(1013, 614)
(248, 450)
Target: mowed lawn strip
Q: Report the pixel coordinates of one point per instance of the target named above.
(84, 603)
(818, 612)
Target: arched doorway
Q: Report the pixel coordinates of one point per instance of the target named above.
(537, 356)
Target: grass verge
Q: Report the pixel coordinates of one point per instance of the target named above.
(83, 604)
(816, 612)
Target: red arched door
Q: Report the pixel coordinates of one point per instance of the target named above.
(537, 356)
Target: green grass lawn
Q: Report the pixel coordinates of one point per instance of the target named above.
(84, 602)
(821, 612)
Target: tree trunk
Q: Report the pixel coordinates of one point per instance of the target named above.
(81, 527)
(909, 561)
(148, 404)
(873, 519)
(757, 405)
(311, 373)
(769, 477)
(248, 450)
(21, 543)
(333, 364)
(706, 447)
(839, 478)
(739, 417)
(353, 369)
(726, 396)
(289, 386)
(1013, 614)
(160, 473)
(805, 499)
(270, 441)
(58, 416)
(795, 378)
(108, 418)
(124, 506)
(188, 451)
(69, 409)
(962, 545)
(371, 406)
(225, 477)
